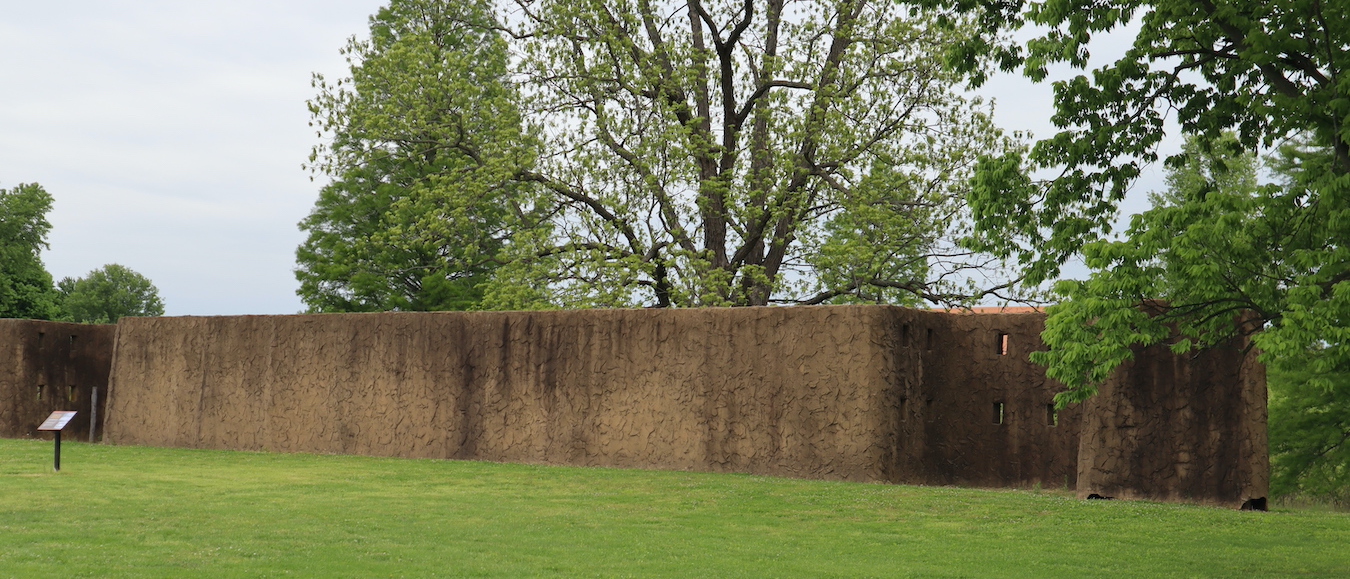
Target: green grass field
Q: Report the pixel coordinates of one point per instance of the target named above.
(148, 512)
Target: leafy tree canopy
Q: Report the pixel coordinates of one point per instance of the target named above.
(650, 154)
(1310, 434)
(425, 136)
(1269, 72)
(744, 153)
(108, 294)
(25, 286)
(1216, 247)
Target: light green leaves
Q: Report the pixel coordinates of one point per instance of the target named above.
(732, 153)
(426, 145)
(577, 153)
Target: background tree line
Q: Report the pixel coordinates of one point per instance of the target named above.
(26, 290)
(579, 153)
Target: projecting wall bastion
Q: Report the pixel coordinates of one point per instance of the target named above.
(859, 393)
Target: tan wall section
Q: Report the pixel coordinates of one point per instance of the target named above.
(65, 361)
(794, 392)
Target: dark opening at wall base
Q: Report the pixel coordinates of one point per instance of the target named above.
(1257, 504)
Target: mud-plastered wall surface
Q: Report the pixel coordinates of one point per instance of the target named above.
(981, 414)
(52, 366)
(864, 393)
(802, 392)
(1180, 427)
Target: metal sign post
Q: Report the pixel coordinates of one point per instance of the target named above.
(55, 423)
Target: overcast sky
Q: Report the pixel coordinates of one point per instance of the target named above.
(172, 134)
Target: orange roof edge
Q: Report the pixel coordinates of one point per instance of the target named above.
(994, 310)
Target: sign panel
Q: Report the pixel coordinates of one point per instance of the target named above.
(57, 420)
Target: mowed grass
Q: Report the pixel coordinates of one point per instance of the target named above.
(149, 512)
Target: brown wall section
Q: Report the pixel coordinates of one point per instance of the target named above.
(793, 392)
(864, 393)
(983, 411)
(52, 366)
(1186, 428)
(852, 393)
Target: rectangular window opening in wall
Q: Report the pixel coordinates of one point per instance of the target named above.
(72, 339)
(904, 335)
(930, 338)
(1051, 417)
(904, 409)
(41, 387)
(71, 396)
(998, 413)
(1002, 344)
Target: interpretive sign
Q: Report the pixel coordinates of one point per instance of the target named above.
(56, 422)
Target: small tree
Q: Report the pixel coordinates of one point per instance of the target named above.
(25, 286)
(107, 294)
(425, 138)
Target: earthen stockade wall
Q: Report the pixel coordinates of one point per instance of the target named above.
(861, 393)
(49, 366)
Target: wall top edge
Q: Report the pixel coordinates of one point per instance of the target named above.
(25, 321)
(736, 312)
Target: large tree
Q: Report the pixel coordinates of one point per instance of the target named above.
(1268, 71)
(1310, 434)
(743, 153)
(25, 286)
(108, 294)
(424, 142)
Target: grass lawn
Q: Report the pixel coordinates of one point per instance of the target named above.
(149, 512)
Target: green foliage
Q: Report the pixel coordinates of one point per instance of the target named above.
(425, 140)
(25, 286)
(108, 294)
(157, 512)
(744, 153)
(1223, 253)
(1214, 247)
(1269, 73)
(1310, 434)
(1266, 70)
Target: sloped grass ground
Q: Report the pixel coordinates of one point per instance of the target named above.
(148, 512)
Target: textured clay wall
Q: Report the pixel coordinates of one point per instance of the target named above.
(981, 413)
(866, 393)
(1188, 427)
(52, 366)
(803, 392)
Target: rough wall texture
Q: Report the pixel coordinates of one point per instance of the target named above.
(1188, 427)
(982, 414)
(51, 366)
(866, 393)
(794, 392)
